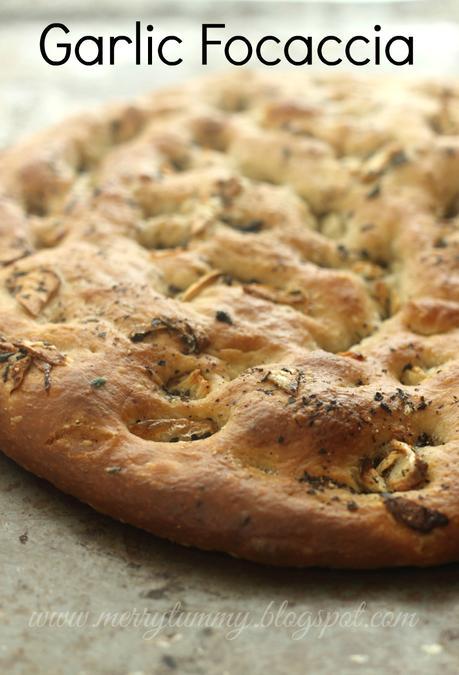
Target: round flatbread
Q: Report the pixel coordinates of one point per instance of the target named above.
(229, 314)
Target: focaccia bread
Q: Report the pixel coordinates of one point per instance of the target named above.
(229, 314)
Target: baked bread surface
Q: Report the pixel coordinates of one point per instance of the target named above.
(229, 315)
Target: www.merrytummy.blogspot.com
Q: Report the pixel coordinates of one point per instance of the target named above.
(298, 623)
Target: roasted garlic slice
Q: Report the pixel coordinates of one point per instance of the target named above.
(400, 470)
(34, 289)
(287, 379)
(189, 385)
(413, 375)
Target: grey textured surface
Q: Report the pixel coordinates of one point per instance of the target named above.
(57, 555)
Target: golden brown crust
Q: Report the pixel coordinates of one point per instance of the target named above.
(230, 316)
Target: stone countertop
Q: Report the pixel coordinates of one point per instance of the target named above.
(103, 577)
(113, 581)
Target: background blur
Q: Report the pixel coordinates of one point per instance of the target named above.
(34, 94)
